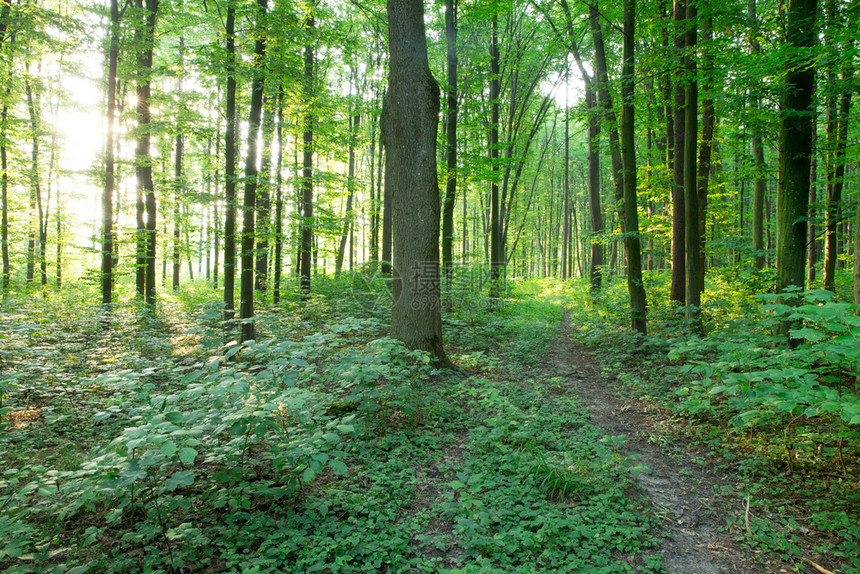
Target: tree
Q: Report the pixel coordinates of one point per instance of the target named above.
(629, 214)
(307, 183)
(230, 166)
(692, 238)
(246, 309)
(795, 146)
(110, 179)
(679, 267)
(452, 105)
(411, 116)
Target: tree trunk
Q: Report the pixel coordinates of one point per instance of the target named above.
(760, 181)
(411, 116)
(306, 242)
(143, 152)
(349, 216)
(679, 210)
(705, 150)
(692, 239)
(496, 260)
(630, 213)
(857, 256)
(837, 141)
(230, 206)
(279, 201)
(246, 307)
(110, 181)
(451, 145)
(795, 148)
(264, 200)
(177, 214)
(5, 9)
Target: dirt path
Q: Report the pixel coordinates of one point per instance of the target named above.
(680, 491)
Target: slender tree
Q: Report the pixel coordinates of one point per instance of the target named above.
(452, 111)
(630, 212)
(307, 185)
(679, 210)
(246, 309)
(110, 178)
(230, 206)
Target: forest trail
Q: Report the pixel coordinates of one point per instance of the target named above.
(679, 490)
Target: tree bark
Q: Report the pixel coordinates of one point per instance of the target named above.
(706, 147)
(760, 180)
(496, 261)
(837, 141)
(230, 206)
(795, 148)
(110, 181)
(306, 241)
(679, 210)
(692, 239)
(249, 203)
(630, 214)
(264, 200)
(411, 116)
(450, 144)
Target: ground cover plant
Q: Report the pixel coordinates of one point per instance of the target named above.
(782, 419)
(156, 445)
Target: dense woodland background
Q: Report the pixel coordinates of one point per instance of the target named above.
(224, 281)
(532, 92)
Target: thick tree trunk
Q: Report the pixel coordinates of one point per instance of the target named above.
(796, 148)
(450, 145)
(230, 206)
(249, 203)
(630, 213)
(411, 116)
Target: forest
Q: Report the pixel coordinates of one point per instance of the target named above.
(429, 286)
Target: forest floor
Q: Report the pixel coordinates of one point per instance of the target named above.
(529, 457)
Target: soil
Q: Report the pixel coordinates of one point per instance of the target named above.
(681, 481)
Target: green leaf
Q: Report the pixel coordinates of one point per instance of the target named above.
(308, 475)
(346, 428)
(180, 479)
(168, 448)
(338, 466)
(855, 420)
(187, 455)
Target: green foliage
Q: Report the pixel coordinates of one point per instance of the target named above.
(783, 419)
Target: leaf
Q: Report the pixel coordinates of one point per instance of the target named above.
(187, 455)
(308, 475)
(168, 448)
(180, 479)
(338, 466)
(346, 428)
(855, 420)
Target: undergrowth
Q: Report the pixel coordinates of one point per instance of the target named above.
(156, 443)
(783, 418)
